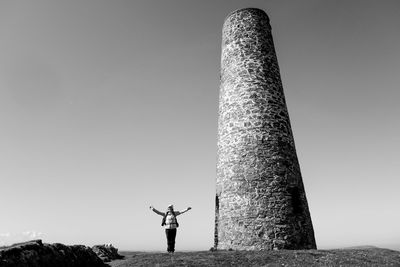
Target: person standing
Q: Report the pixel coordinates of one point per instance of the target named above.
(171, 224)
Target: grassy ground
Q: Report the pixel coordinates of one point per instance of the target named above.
(337, 257)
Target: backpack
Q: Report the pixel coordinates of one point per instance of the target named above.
(165, 217)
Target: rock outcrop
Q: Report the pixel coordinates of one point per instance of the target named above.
(107, 252)
(37, 254)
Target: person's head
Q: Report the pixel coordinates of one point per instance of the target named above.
(170, 208)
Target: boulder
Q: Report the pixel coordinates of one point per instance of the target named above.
(35, 253)
(107, 252)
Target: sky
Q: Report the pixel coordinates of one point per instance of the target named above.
(108, 107)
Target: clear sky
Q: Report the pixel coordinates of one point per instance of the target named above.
(107, 107)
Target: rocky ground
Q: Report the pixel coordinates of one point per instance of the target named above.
(35, 253)
(107, 253)
(370, 256)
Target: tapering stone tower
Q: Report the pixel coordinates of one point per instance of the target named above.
(260, 199)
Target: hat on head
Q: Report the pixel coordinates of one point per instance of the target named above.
(171, 206)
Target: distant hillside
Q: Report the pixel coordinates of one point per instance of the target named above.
(369, 256)
(392, 246)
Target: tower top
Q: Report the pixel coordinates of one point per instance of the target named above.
(258, 11)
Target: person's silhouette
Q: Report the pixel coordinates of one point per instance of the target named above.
(170, 223)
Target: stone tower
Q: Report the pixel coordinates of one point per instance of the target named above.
(260, 198)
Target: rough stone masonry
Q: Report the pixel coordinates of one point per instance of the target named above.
(260, 199)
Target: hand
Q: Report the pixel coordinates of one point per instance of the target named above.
(189, 208)
(151, 207)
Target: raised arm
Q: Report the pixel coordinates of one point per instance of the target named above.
(156, 211)
(183, 211)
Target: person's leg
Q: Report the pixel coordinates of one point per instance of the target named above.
(167, 235)
(170, 239)
(173, 236)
